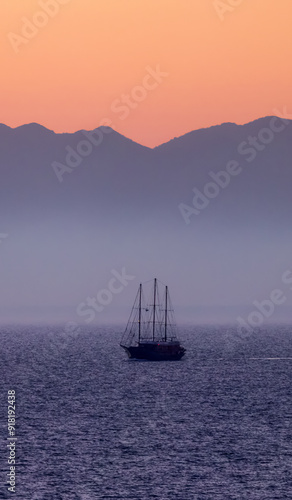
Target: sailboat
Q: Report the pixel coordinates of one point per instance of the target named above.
(151, 330)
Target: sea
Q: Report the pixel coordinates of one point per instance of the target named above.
(91, 424)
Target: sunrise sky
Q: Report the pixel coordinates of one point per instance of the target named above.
(221, 61)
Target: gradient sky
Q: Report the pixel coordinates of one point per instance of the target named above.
(71, 71)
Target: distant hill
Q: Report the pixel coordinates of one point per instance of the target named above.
(124, 204)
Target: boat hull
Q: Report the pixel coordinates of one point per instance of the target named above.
(155, 352)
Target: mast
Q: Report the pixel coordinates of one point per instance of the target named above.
(154, 307)
(165, 316)
(140, 303)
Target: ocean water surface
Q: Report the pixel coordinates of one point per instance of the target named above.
(92, 424)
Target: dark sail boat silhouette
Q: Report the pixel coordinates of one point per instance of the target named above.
(151, 330)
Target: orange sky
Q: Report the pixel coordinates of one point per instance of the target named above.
(75, 70)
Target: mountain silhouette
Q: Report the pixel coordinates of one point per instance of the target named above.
(77, 205)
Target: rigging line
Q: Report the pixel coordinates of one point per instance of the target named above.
(161, 282)
(151, 281)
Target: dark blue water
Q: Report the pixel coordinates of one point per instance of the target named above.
(93, 425)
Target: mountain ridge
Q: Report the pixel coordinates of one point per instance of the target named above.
(35, 127)
(117, 204)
